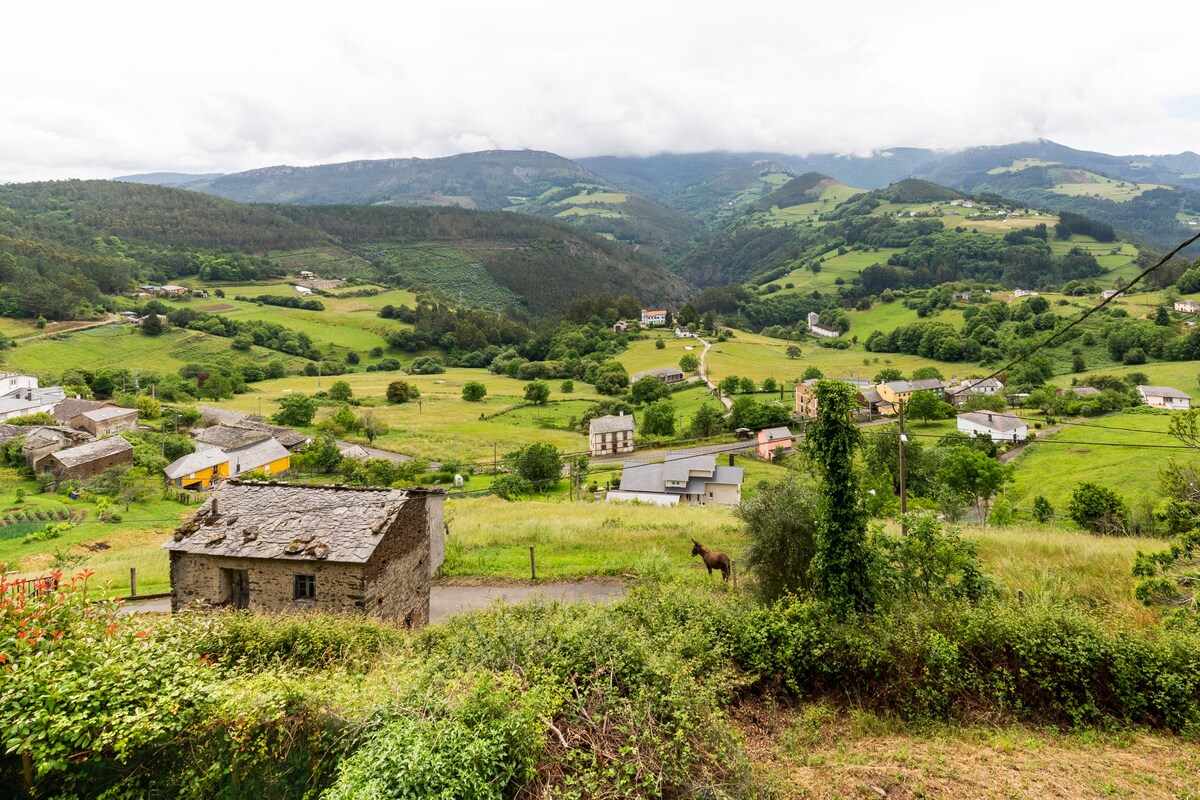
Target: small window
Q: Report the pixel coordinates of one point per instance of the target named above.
(305, 587)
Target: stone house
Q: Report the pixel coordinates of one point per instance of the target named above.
(611, 434)
(1165, 397)
(275, 547)
(106, 421)
(998, 427)
(43, 440)
(806, 397)
(668, 375)
(87, 460)
(894, 393)
(817, 329)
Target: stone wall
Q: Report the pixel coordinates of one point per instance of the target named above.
(81, 472)
(109, 427)
(197, 578)
(396, 578)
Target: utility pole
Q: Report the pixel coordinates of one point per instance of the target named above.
(903, 477)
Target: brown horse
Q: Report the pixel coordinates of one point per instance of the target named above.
(713, 559)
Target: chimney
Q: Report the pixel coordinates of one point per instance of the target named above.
(620, 413)
(213, 511)
(989, 419)
(731, 459)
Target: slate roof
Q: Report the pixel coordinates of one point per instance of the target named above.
(85, 453)
(104, 414)
(661, 372)
(221, 416)
(642, 476)
(229, 437)
(776, 433)
(285, 436)
(16, 401)
(255, 456)
(1163, 391)
(70, 408)
(611, 423)
(995, 421)
(9, 432)
(290, 522)
(194, 462)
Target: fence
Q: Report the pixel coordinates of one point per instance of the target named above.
(27, 586)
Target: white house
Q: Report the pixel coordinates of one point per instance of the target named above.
(1000, 427)
(1186, 306)
(11, 382)
(654, 317)
(959, 394)
(611, 434)
(1107, 293)
(681, 478)
(817, 329)
(24, 402)
(1164, 397)
(1023, 293)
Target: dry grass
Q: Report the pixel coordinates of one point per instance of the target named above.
(817, 752)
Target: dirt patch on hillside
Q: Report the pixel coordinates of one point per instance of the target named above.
(1078, 450)
(816, 752)
(217, 307)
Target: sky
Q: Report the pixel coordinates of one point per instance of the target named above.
(96, 90)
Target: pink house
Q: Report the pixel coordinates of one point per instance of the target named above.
(774, 442)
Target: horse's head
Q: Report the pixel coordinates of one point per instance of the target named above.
(697, 548)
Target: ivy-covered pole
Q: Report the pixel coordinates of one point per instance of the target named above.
(842, 563)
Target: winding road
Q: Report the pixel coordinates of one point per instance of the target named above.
(704, 373)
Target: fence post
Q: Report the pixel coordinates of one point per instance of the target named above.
(133, 581)
(532, 565)
(733, 571)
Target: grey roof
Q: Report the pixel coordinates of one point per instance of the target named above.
(730, 475)
(16, 405)
(9, 432)
(290, 522)
(41, 435)
(229, 437)
(103, 414)
(285, 436)
(194, 462)
(858, 383)
(871, 396)
(84, 453)
(777, 433)
(221, 416)
(994, 420)
(1163, 391)
(70, 408)
(900, 387)
(611, 424)
(641, 476)
(661, 372)
(256, 455)
(976, 385)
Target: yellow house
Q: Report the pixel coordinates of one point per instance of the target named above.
(205, 468)
(892, 394)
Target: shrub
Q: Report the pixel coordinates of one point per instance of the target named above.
(402, 392)
(1097, 509)
(781, 526)
(473, 391)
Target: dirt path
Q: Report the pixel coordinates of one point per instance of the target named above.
(109, 320)
(1011, 454)
(725, 401)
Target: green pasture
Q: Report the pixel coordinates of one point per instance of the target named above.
(590, 211)
(1103, 188)
(1019, 164)
(330, 330)
(845, 266)
(643, 355)
(118, 346)
(886, 316)
(587, 198)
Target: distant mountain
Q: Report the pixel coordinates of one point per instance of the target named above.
(806, 188)
(168, 178)
(529, 181)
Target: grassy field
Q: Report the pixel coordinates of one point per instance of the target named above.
(846, 267)
(1121, 451)
(643, 355)
(124, 346)
(1090, 184)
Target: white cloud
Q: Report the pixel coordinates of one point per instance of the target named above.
(225, 86)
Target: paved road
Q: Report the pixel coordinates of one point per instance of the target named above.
(446, 601)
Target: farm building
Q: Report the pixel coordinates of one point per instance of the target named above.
(43, 440)
(999, 427)
(681, 478)
(1019, 293)
(86, 460)
(106, 421)
(276, 547)
(1164, 397)
(817, 329)
(611, 434)
(1186, 306)
(667, 375)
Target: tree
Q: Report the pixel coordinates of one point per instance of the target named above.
(340, 391)
(321, 455)
(402, 392)
(747, 412)
(746, 385)
(295, 410)
(152, 325)
(659, 344)
(770, 385)
(729, 385)
(474, 391)
(793, 351)
(537, 392)
(811, 373)
(1097, 509)
(973, 474)
(342, 421)
(842, 564)
(706, 422)
(1043, 512)
(1078, 364)
(425, 365)
(887, 375)
(689, 362)
(781, 528)
(567, 386)
(647, 389)
(371, 426)
(926, 373)
(538, 463)
(925, 405)
(136, 485)
(1161, 316)
(659, 419)
(148, 407)
(985, 402)
(243, 341)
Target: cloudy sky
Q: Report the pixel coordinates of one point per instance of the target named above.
(103, 89)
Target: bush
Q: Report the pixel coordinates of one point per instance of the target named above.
(1098, 509)
(402, 392)
(781, 526)
(473, 391)
(425, 365)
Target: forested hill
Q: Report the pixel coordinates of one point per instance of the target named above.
(528, 181)
(66, 246)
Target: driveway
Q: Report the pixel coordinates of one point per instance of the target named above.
(446, 601)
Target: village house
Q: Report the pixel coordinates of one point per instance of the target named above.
(958, 394)
(87, 460)
(1186, 306)
(356, 451)
(667, 375)
(893, 393)
(1164, 397)
(106, 421)
(998, 427)
(42, 440)
(962, 295)
(206, 467)
(228, 437)
(30, 400)
(280, 547)
(654, 317)
(817, 329)
(611, 434)
(1019, 293)
(620, 326)
(806, 398)
(14, 382)
(681, 478)
(774, 442)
